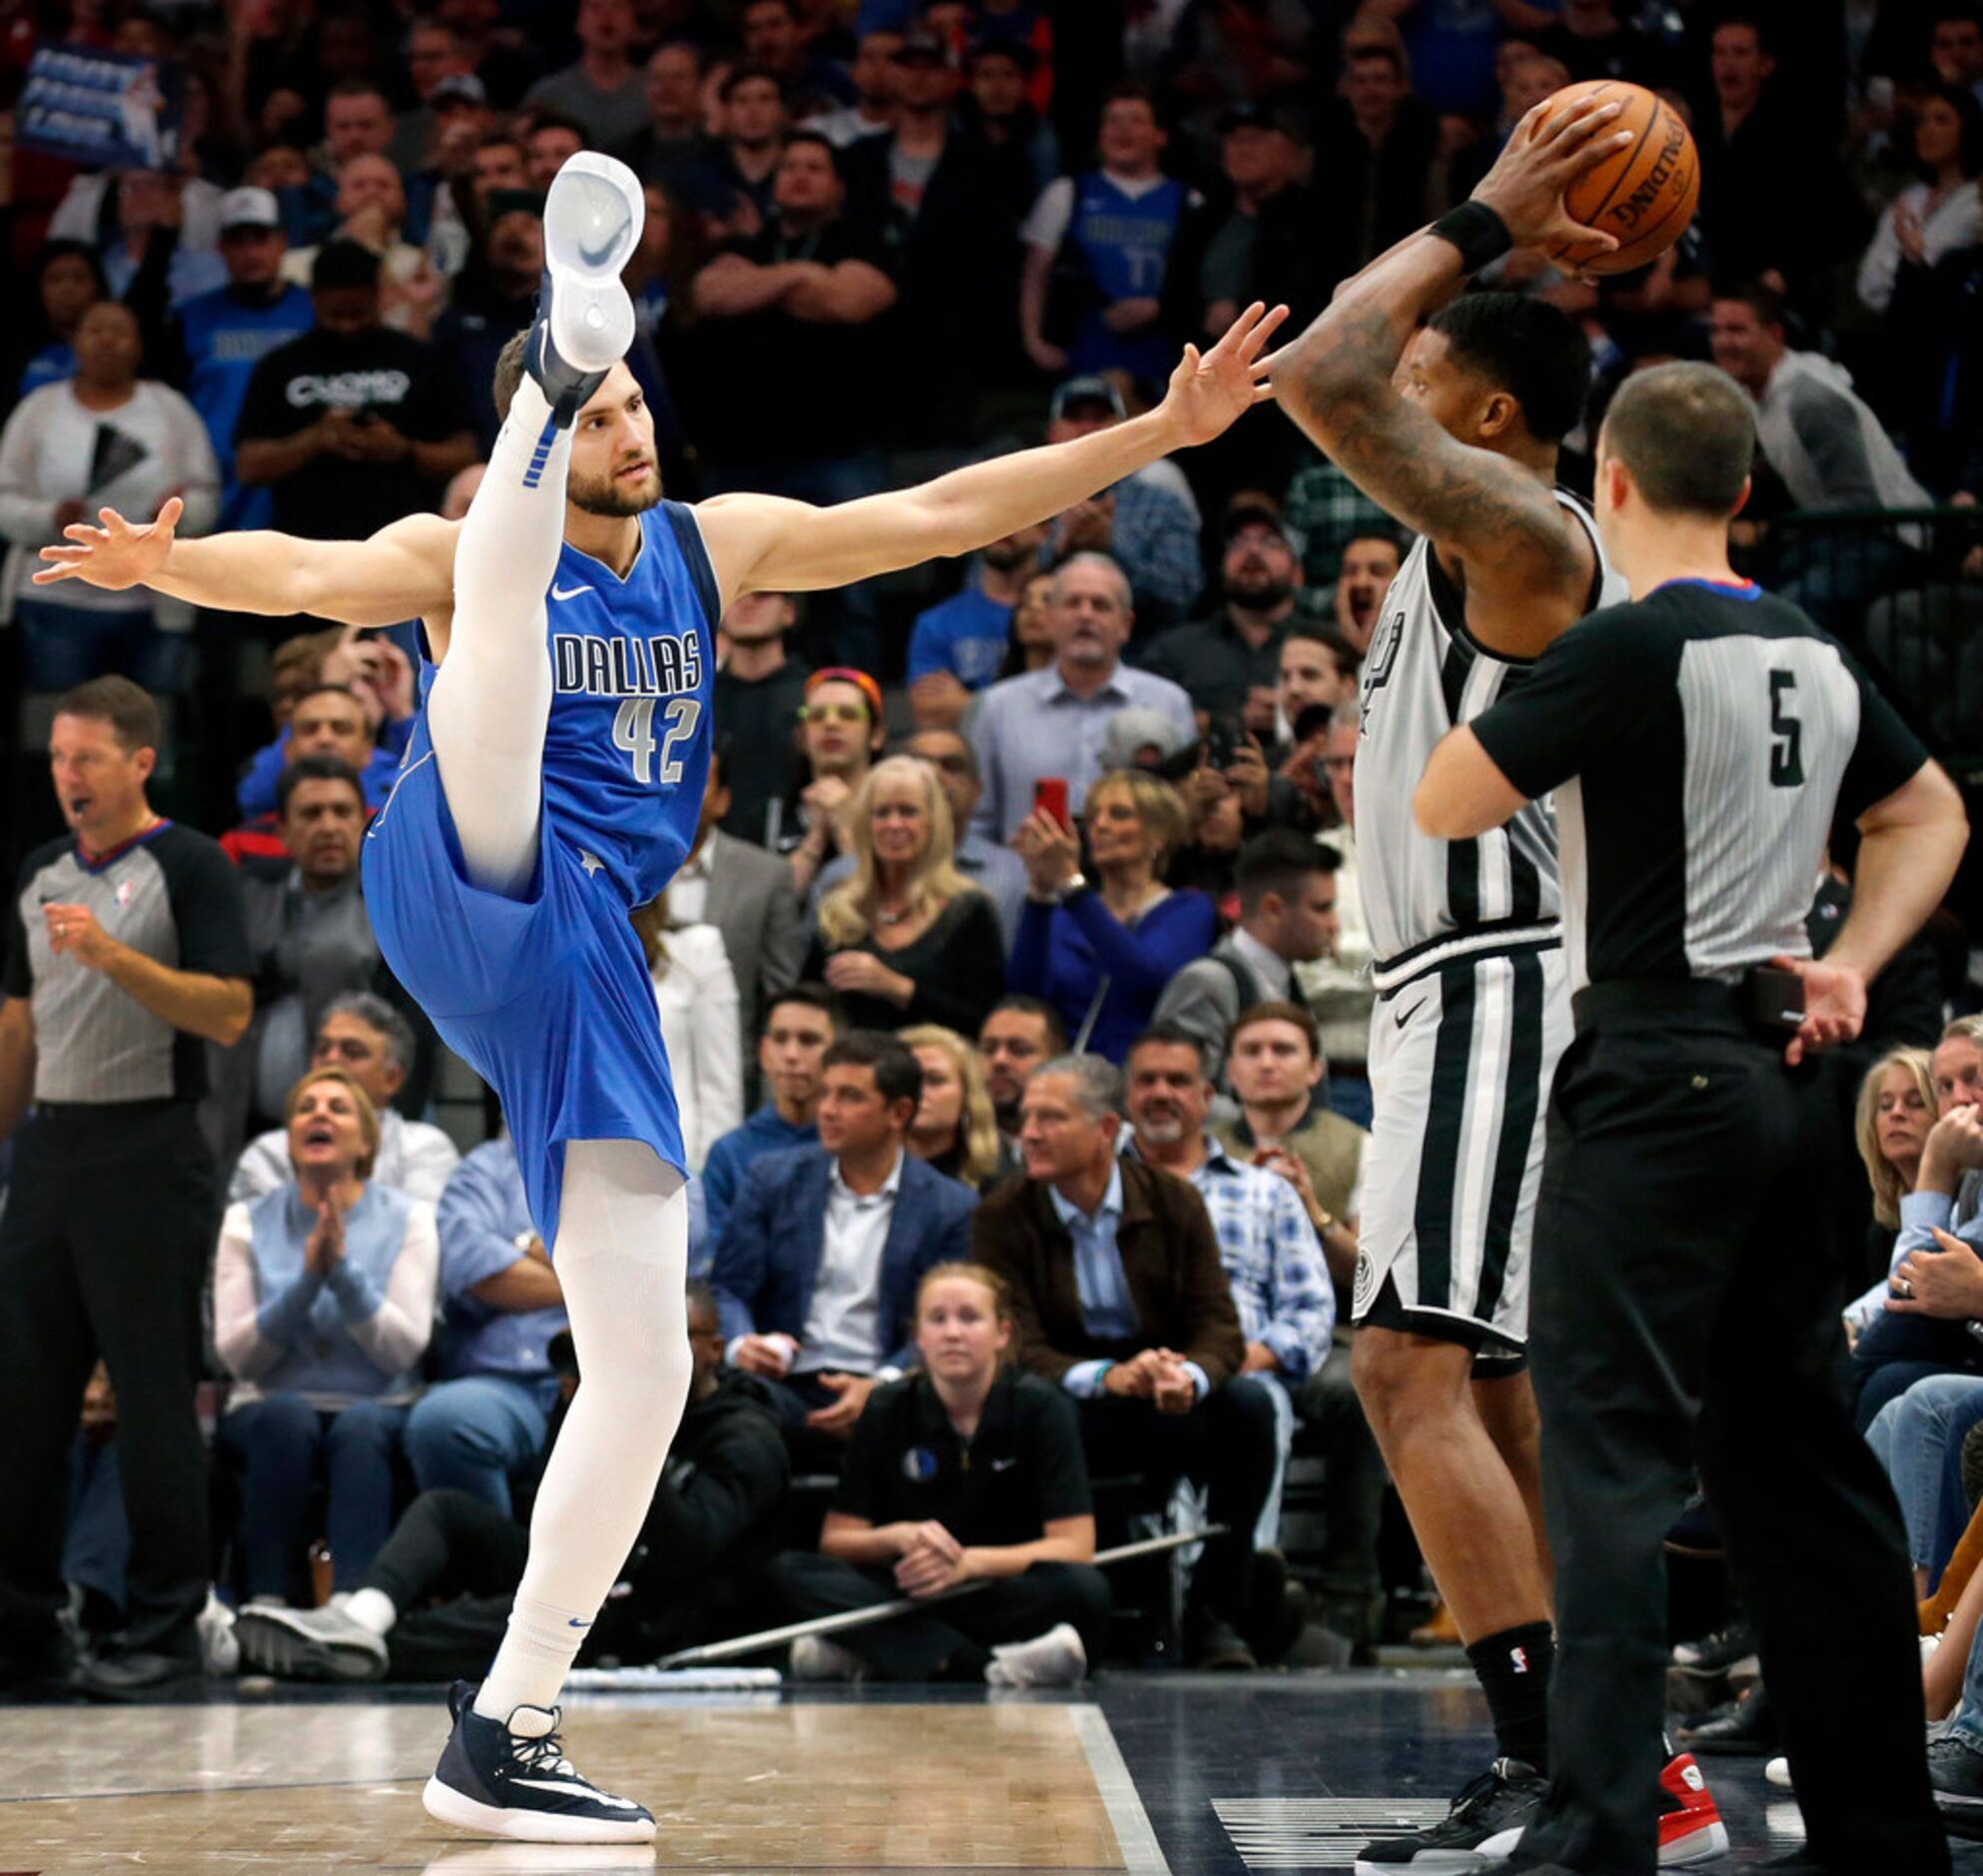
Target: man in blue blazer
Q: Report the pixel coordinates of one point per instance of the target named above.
(817, 1267)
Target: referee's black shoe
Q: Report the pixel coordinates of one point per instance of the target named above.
(515, 1781)
(1743, 1729)
(1486, 1821)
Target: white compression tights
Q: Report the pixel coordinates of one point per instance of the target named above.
(623, 1258)
(489, 705)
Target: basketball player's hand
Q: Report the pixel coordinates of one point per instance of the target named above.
(1211, 391)
(838, 1420)
(1549, 151)
(114, 555)
(1834, 1005)
(72, 932)
(1946, 1282)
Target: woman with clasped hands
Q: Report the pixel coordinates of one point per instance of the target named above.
(323, 1298)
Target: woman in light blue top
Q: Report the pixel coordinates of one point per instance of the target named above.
(324, 1300)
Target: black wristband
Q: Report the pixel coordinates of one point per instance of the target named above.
(1477, 231)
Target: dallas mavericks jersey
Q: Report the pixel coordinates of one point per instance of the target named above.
(1426, 674)
(626, 749)
(1124, 241)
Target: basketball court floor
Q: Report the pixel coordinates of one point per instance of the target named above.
(1136, 1774)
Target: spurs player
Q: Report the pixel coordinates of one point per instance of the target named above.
(1453, 429)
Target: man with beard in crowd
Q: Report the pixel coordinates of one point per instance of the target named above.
(1231, 662)
(1019, 1033)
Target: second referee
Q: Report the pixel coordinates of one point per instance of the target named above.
(1700, 741)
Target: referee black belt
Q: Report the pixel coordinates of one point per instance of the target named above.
(1501, 938)
(1658, 1001)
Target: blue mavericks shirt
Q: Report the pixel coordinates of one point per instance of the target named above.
(1125, 242)
(224, 340)
(633, 665)
(966, 636)
(627, 750)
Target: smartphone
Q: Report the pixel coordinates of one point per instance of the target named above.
(1050, 794)
(1224, 739)
(1777, 998)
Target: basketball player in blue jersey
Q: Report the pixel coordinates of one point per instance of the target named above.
(552, 785)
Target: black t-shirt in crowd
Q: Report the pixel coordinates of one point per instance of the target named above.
(382, 373)
(758, 719)
(1700, 743)
(775, 391)
(1022, 1467)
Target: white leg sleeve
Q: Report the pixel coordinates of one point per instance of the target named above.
(491, 699)
(623, 1258)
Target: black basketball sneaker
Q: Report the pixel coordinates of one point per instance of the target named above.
(515, 1781)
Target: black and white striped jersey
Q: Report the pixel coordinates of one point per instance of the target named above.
(1426, 674)
(1700, 743)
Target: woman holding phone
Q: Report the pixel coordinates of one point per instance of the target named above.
(1101, 950)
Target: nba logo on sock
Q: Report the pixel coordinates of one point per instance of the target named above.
(1517, 1659)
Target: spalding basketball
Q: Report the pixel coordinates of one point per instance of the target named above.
(1645, 194)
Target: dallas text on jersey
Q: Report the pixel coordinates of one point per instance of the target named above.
(598, 665)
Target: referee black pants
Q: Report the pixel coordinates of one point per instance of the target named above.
(1685, 1315)
(110, 1223)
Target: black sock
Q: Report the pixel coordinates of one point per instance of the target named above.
(1514, 1672)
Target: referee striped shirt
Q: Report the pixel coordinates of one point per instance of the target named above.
(1700, 742)
(168, 893)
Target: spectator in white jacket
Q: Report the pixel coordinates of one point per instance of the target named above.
(103, 438)
(695, 991)
(323, 1300)
(1940, 213)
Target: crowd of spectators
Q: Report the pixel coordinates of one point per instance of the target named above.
(1013, 985)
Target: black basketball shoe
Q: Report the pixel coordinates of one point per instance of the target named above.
(515, 1781)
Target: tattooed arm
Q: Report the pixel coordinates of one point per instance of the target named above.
(1526, 569)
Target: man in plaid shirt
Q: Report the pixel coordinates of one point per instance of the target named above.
(1273, 1258)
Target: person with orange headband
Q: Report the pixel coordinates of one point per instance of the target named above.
(841, 731)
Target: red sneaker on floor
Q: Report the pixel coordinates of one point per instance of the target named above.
(1690, 1828)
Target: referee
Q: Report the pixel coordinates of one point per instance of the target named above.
(1700, 741)
(126, 952)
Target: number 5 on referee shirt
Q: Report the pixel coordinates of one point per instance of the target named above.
(633, 731)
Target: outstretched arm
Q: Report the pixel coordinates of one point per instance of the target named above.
(1489, 515)
(402, 571)
(762, 543)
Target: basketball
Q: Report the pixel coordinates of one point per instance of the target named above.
(1645, 195)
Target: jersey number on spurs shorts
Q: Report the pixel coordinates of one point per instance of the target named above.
(1426, 674)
